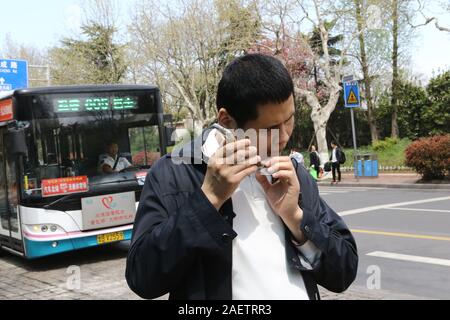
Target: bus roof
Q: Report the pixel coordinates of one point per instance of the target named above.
(76, 89)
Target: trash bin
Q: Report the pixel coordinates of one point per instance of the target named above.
(366, 165)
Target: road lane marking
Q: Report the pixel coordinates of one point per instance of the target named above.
(343, 189)
(390, 205)
(334, 192)
(401, 235)
(405, 257)
(338, 191)
(420, 209)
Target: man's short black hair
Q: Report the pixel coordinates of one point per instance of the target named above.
(251, 81)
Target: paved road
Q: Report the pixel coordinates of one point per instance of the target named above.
(100, 270)
(392, 232)
(403, 234)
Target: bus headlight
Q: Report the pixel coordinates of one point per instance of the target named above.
(46, 228)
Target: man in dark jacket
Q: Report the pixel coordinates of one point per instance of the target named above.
(314, 159)
(210, 228)
(336, 159)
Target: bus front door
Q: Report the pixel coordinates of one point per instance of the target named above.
(5, 229)
(10, 235)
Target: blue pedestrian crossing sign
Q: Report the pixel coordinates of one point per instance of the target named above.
(13, 74)
(351, 94)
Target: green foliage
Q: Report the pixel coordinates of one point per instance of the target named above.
(412, 103)
(392, 155)
(421, 112)
(95, 60)
(315, 40)
(383, 145)
(242, 27)
(316, 44)
(437, 116)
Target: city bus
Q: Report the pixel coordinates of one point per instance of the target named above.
(54, 195)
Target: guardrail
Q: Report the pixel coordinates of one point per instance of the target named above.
(383, 169)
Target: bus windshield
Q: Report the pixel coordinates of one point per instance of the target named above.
(68, 137)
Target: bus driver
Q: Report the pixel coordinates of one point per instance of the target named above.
(111, 161)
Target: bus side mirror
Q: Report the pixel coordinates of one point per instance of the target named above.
(168, 132)
(16, 142)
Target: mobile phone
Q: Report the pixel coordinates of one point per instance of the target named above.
(229, 137)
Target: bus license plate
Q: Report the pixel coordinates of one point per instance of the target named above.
(110, 237)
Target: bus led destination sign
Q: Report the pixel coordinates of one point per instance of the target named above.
(94, 104)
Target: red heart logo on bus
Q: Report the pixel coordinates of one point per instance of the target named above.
(107, 202)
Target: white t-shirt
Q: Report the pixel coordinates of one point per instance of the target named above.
(334, 157)
(260, 269)
(121, 164)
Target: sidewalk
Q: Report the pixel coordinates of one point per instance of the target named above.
(386, 180)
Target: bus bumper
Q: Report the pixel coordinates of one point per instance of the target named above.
(36, 249)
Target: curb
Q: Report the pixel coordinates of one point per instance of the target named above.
(394, 186)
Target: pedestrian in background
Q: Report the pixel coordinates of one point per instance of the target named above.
(295, 154)
(314, 159)
(336, 159)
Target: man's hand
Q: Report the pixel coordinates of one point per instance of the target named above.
(106, 168)
(227, 168)
(283, 194)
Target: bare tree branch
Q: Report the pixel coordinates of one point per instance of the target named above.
(427, 19)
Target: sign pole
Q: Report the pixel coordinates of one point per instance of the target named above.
(352, 100)
(352, 113)
(355, 147)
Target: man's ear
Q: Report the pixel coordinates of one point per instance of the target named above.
(226, 120)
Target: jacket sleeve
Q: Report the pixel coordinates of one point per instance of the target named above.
(167, 236)
(337, 267)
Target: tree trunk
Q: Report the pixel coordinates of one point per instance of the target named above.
(394, 124)
(320, 127)
(366, 75)
(320, 116)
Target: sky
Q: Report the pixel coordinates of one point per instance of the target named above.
(42, 23)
